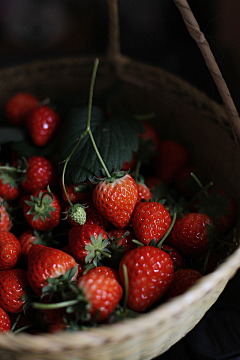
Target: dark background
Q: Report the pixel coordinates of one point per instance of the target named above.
(152, 31)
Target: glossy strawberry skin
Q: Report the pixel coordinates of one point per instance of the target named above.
(183, 280)
(175, 255)
(190, 234)
(80, 236)
(19, 106)
(27, 239)
(5, 322)
(126, 241)
(9, 188)
(13, 284)
(150, 220)
(150, 274)
(103, 293)
(45, 262)
(10, 250)
(42, 123)
(40, 173)
(116, 200)
(5, 220)
(47, 223)
(143, 192)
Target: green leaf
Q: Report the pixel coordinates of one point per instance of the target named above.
(116, 138)
(10, 134)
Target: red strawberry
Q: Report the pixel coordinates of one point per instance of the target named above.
(128, 166)
(10, 250)
(46, 263)
(150, 220)
(43, 211)
(143, 192)
(102, 292)
(149, 144)
(5, 322)
(183, 280)
(150, 274)
(115, 198)
(87, 242)
(105, 270)
(185, 183)
(9, 186)
(5, 218)
(174, 255)
(125, 241)
(42, 123)
(73, 192)
(40, 173)
(172, 157)
(13, 284)
(19, 106)
(191, 234)
(80, 264)
(219, 206)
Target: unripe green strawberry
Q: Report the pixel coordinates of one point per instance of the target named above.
(77, 214)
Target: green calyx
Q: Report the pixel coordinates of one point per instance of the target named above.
(77, 213)
(59, 285)
(40, 206)
(97, 249)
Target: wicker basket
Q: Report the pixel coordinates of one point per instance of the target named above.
(207, 130)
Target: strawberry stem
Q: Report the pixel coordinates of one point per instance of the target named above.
(126, 287)
(87, 131)
(55, 305)
(12, 168)
(159, 245)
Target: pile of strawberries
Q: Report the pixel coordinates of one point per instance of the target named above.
(73, 256)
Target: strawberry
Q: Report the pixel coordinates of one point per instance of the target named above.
(13, 284)
(42, 123)
(5, 322)
(102, 292)
(129, 166)
(47, 263)
(122, 241)
(40, 173)
(5, 218)
(105, 270)
(172, 157)
(191, 234)
(9, 186)
(150, 274)
(143, 192)
(19, 106)
(115, 198)
(174, 255)
(93, 216)
(10, 250)
(185, 183)
(219, 206)
(43, 211)
(183, 280)
(149, 143)
(77, 193)
(80, 264)
(150, 220)
(88, 242)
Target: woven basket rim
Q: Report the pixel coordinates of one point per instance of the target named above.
(95, 337)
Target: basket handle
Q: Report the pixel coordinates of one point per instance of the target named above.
(114, 53)
(210, 61)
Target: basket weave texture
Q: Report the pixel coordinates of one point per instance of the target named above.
(191, 117)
